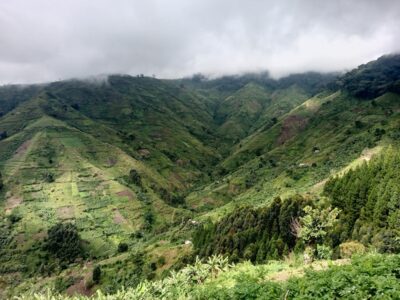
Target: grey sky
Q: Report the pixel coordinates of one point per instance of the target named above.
(43, 40)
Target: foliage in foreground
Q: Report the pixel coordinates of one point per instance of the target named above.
(368, 277)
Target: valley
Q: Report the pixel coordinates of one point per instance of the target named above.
(153, 173)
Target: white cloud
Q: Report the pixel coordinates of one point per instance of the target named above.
(47, 40)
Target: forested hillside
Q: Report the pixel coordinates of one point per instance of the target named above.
(369, 198)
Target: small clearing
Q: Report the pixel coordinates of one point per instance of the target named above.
(126, 193)
(66, 212)
(23, 148)
(118, 218)
(12, 203)
(290, 127)
(299, 272)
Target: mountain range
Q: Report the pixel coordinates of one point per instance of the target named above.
(152, 172)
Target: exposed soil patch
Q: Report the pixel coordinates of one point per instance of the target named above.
(118, 218)
(144, 153)
(233, 189)
(182, 162)
(367, 154)
(176, 177)
(79, 288)
(12, 203)
(290, 127)
(23, 148)
(41, 235)
(126, 193)
(319, 184)
(66, 212)
(112, 161)
(20, 238)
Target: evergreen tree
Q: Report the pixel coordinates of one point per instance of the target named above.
(369, 199)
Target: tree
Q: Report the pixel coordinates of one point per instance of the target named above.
(134, 177)
(1, 182)
(313, 227)
(122, 247)
(96, 275)
(3, 135)
(64, 242)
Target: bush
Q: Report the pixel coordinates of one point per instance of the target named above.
(49, 177)
(61, 283)
(161, 261)
(324, 252)
(134, 177)
(348, 249)
(3, 135)
(14, 217)
(122, 247)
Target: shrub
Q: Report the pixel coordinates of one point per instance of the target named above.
(348, 249)
(3, 135)
(61, 283)
(161, 261)
(49, 177)
(134, 177)
(122, 247)
(324, 252)
(14, 217)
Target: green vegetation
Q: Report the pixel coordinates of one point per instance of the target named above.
(368, 277)
(369, 199)
(63, 241)
(252, 234)
(96, 275)
(373, 79)
(312, 229)
(115, 187)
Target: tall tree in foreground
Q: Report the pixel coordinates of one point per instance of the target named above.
(313, 227)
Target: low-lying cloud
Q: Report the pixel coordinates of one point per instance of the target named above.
(45, 40)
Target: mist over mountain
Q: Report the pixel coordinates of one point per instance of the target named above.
(43, 41)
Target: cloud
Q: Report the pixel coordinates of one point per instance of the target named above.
(46, 40)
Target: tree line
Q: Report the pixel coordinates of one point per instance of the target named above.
(255, 234)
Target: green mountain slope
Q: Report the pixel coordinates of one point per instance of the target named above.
(138, 164)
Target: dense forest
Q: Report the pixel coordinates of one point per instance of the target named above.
(369, 198)
(373, 79)
(255, 234)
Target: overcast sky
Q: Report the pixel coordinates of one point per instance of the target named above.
(44, 40)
